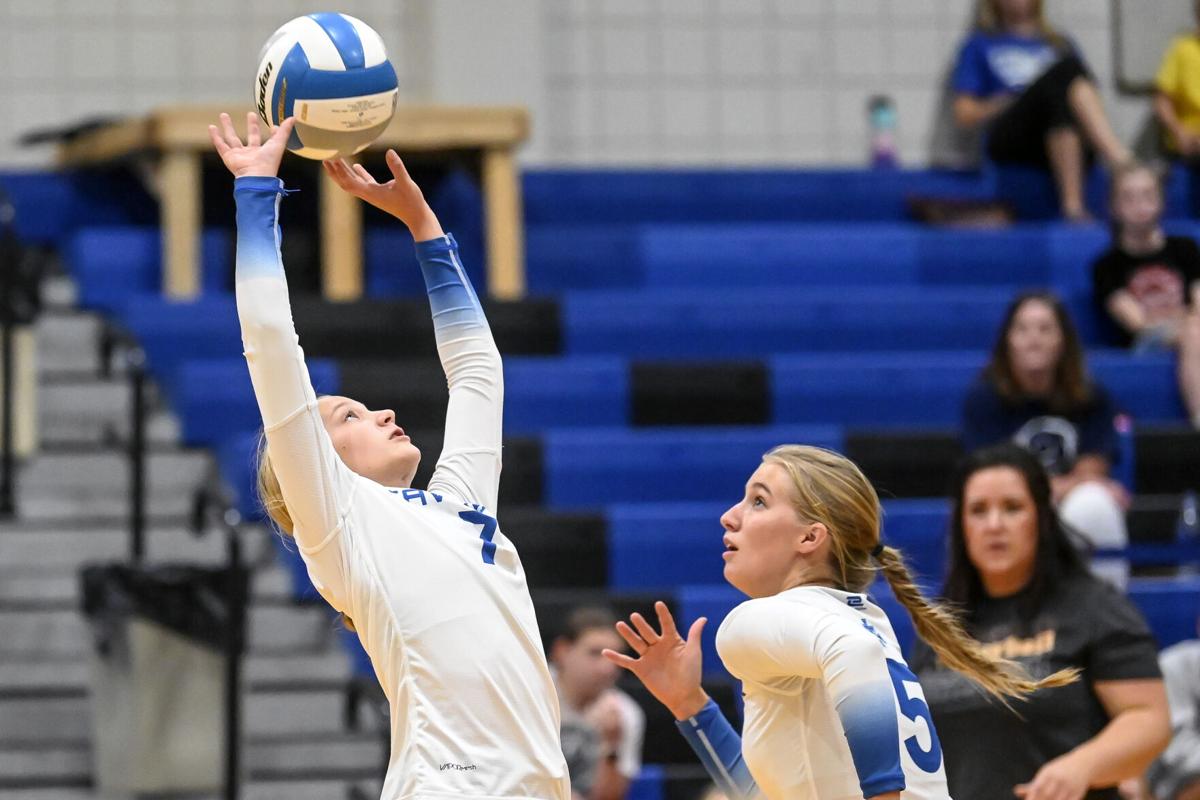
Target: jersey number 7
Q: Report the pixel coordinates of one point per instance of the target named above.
(913, 706)
(489, 530)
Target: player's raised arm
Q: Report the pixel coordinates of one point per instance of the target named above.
(469, 466)
(669, 667)
(315, 483)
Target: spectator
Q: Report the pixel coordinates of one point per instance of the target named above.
(602, 727)
(1028, 87)
(1176, 775)
(1036, 392)
(1177, 93)
(1025, 594)
(1150, 282)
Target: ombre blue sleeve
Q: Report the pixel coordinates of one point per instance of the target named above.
(469, 466)
(317, 486)
(719, 749)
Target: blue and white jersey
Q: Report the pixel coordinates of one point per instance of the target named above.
(832, 710)
(436, 591)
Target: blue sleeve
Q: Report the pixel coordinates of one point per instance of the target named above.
(719, 748)
(258, 234)
(983, 423)
(970, 74)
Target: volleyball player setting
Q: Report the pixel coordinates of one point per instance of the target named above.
(331, 72)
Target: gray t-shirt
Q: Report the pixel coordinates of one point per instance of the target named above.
(1179, 765)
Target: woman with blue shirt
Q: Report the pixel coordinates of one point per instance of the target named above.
(1027, 86)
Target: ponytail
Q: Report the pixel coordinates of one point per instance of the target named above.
(942, 630)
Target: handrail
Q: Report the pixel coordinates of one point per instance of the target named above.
(212, 502)
(7, 320)
(113, 336)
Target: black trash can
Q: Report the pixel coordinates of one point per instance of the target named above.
(160, 669)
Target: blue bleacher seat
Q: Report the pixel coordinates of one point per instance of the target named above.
(595, 466)
(171, 332)
(545, 392)
(214, 398)
(1171, 607)
(650, 784)
(114, 263)
(692, 323)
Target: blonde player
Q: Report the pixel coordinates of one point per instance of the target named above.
(435, 590)
(832, 709)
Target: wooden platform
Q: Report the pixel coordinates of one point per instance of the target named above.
(175, 138)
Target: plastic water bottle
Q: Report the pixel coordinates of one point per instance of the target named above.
(1187, 532)
(881, 117)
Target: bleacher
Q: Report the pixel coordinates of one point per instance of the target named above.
(680, 324)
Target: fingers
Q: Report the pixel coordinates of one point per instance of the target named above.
(631, 638)
(1021, 789)
(338, 171)
(620, 659)
(697, 627)
(399, 171)
(221, 147)
(647, 632)
(665, 621)
(253, 134)
(231, 137)
(361, 172)
(283, 131)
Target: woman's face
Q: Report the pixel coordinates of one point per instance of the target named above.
(1138, 200)
(1000, 527)
(370, 442)
(764, 534)
(1011, 12)
(1035, 340)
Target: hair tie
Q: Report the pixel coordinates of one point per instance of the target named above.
(877, 551)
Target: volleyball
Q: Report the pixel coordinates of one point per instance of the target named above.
(331, 72)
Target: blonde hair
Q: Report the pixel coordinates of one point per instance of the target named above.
(989, 19)
(830, 489)
(270, 495)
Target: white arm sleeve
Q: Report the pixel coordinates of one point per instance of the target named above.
(766, 642)
(317, 486)
(469, 466)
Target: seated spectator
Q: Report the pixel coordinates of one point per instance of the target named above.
(1025, 594)
(1148, 282)
(1177, 94)
(1027, 86)
(1035, 391)
(1176, 774)
(602, 727)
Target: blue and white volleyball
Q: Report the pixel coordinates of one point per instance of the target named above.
(330, 72)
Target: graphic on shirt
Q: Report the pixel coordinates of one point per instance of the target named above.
(1160, 291)
(1054, 440)
(1018, 67)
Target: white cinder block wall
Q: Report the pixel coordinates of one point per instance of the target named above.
(609, 81)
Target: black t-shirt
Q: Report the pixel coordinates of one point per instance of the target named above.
(1159, 281)
(1084, 623)
(1057, 439)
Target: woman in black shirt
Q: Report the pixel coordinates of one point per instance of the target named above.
(1026, 595)
(1148, 282)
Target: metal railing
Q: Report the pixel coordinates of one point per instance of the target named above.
(8, 314)
(114, 340)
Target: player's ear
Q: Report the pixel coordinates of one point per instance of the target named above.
(811, 536)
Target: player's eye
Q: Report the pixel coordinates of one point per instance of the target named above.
(350, 415)
(759, 503)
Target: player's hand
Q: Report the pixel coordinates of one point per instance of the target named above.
(255, 157)
(1059, 779)
(400, 197)
(667, 664)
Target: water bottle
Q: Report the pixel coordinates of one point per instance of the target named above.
(881, 118)
(1187, 532)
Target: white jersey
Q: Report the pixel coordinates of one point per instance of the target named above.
(436, 592)
(832, 710)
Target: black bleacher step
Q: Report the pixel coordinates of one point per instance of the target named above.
(558, 549)
(553, 604)
(414, 388)
(520, 481)
(1167, 459)
(401, 328)
(906, 463)
(700, 393)
(1152, 518)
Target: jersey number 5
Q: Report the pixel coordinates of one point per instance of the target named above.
(489, 530)
(913, 706)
